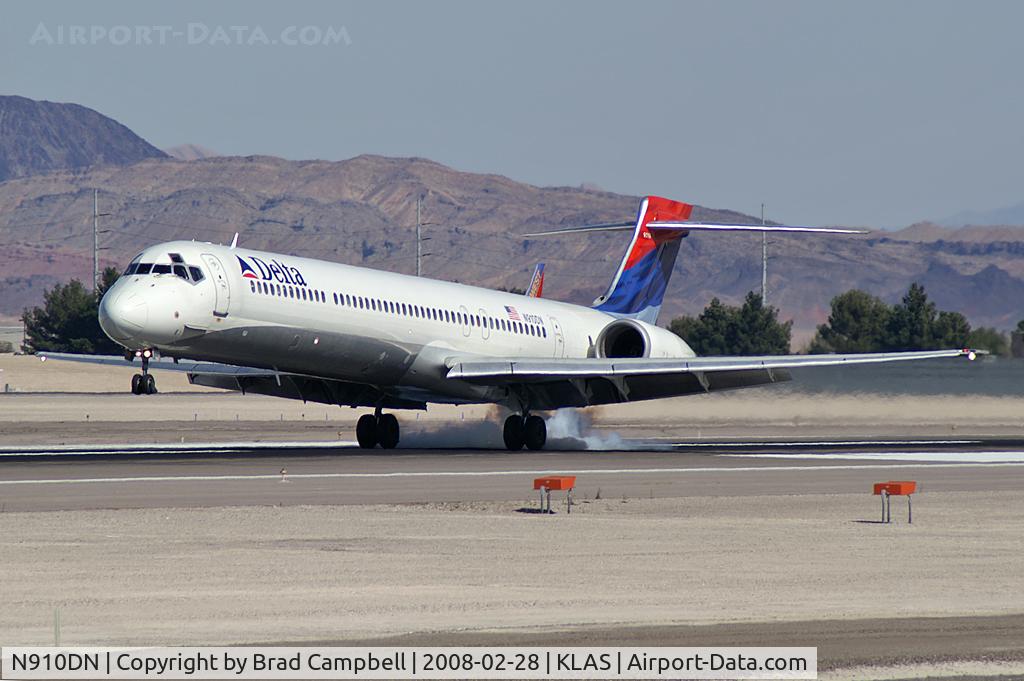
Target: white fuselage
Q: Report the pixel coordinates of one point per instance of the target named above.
(394, 332)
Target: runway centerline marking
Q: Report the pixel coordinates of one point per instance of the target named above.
(816, 443)
(468, 474)
(921, 457)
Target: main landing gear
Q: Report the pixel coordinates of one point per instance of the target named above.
(377, 429)
(144, 383)
(530, 431)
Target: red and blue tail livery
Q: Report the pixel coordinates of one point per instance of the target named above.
(536, 288)
(640, 282)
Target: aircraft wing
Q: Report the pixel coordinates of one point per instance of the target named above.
(557, 383)
(293, 386)
(162, 364)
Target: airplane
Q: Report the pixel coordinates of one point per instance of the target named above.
(299, 328)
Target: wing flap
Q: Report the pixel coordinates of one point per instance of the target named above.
(162, 364)
(531, 369)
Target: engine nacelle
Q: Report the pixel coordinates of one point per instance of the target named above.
(625, 338)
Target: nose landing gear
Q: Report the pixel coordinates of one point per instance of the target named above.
(377, 429)
(530, 431)
(144, 383)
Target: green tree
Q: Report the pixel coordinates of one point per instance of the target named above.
(712, 334)
(67, 321)
(987, 338)
(759, 331)
(751, 329)
(686, 327)
(950, 330)
(860, 322)
(912, 322)
(857, 323)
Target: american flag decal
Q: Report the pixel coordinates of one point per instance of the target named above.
(513, 314)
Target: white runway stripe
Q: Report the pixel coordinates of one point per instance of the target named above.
(156, 448)
(470, 474)
(823, 443)
(923, 457)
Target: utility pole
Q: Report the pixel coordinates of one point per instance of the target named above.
(95, 240)
(96, 215)
(420, 238)
(764, 262)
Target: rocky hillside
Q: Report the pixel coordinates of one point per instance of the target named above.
(190, 152)
(362, 211)
(39, 137)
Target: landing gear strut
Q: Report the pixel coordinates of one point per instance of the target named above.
(144, 383)
(377, 429)
(530, 431)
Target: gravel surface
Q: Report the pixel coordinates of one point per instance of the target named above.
(229, 575)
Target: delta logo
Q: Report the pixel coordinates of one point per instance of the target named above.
(272, 271)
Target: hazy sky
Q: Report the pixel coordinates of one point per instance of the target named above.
(876, 113)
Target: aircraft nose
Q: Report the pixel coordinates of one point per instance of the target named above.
(123, 315)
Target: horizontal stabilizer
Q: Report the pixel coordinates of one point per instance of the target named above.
(696, 227)
(713, 227)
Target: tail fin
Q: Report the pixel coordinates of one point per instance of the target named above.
(640, 282)
(536, 288)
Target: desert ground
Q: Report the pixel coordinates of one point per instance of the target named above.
(940, 598)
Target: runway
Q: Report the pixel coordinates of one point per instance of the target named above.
(250, 474)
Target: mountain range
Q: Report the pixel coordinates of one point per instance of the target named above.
(37, 137)
(362, 211)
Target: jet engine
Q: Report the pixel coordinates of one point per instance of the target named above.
(625, 338)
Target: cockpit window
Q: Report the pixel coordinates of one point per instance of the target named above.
(176, 258)
(187, 272)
